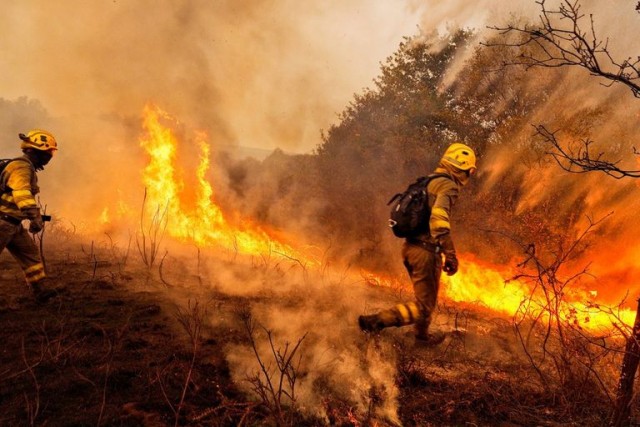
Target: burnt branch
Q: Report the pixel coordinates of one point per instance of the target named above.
(578, 157)
(549, 322)
(274, 386)
(563, 37)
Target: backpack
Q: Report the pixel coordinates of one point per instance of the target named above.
(3, 165)
(410, 210)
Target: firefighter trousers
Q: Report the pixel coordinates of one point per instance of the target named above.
(424, 267)
(23, 249)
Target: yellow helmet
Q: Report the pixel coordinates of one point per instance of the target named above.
(461, 157)
(40, 140)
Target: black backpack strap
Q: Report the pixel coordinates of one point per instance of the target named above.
(438, 175)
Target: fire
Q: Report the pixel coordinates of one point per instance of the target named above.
(204, 221)
(491, 286)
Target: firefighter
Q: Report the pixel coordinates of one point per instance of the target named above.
(19, 186)
(422, 254)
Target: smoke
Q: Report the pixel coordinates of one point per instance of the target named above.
(335, 364)
(272, 74)
(240, 69)
(256, 74)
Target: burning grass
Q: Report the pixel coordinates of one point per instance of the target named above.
(126, 348)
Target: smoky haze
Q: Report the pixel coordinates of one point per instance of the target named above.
(240, 69)
(260, 74)
(255, 74)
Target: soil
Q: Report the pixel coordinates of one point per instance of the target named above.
(114, 349)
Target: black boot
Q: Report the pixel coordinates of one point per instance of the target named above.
(42, 294)
(371, 323)
(429, 340)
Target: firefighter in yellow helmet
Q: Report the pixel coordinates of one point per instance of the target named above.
(422, 254)
(19, 186)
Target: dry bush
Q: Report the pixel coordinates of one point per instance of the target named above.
(572, 364)
(274, 385)
(151, 235)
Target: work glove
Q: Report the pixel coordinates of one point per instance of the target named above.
(36, 224)
(450, 264)
(450, 260)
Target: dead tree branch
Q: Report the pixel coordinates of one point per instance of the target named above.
(578, 157)
(563, 38)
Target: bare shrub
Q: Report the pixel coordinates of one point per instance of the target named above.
(191, 319)
(275, 386)
(151, 235)
(571, 363)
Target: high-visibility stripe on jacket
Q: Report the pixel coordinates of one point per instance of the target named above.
(20, 186)
(444, 193)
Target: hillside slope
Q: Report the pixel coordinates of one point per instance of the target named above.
(116, 347)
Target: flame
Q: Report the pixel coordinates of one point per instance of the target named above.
(202, 222)
(104, 217)
(489, 286)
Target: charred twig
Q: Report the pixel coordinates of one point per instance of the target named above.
(113, 344)
(167, 284)
(191, 321)
(560, 39)
(296, 260)
(274, 386)
(150, 239)
(578, 158)
(33, 409)
(120, 260)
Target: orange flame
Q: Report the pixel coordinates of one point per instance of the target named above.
(489, 286)
(205, 222)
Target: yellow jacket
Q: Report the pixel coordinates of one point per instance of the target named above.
(443, 193)
(20, 186)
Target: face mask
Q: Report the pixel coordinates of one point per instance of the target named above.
(459, 176)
